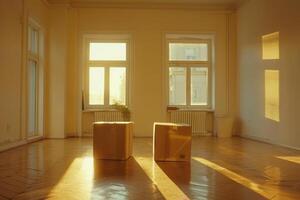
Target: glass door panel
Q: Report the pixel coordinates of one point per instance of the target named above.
(32, 99)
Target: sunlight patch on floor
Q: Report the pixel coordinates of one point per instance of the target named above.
(294, 159)
(78, 179)
(165, 185)
(235, 177)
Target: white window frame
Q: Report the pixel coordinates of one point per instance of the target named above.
(104, 38)
(34, 57)
(188, 65)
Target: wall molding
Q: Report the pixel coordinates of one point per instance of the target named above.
(224, 8)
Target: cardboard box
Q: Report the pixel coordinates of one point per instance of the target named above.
(172, 142)
(112, 140)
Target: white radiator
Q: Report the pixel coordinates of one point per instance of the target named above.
(201, 121)
(106, 116)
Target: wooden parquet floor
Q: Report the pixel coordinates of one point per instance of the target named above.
(220, 169)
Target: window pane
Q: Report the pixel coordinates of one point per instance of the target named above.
(96, 85)
(31, 126)
(29, 38)
(272, 95)
(117, 85)
(188, 51)
(199, 86)
(32, 40)
(177, 86)
(108, 51)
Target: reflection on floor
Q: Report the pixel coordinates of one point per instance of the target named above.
(220, 169)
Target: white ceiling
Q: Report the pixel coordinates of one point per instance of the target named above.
(208, 2)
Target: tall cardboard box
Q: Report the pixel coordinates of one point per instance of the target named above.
(112, 140)
(172, 142)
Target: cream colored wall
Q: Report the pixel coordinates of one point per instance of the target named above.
(72, 99)
(58, 31)
(10, 70)
(13, 22)
(257, 18)
(64, 26)
(147, 26)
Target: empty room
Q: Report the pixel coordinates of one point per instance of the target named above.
(150, 99)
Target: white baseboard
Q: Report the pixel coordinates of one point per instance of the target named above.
(86, 135)
(35, 139)
(259, 139)
(56, 138)
(72, 134)
(12, 145)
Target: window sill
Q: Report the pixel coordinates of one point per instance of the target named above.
(179, 109)
(195, 109)
(99, 110)
(192, 110)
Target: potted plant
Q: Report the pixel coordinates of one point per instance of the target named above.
(123, 109)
